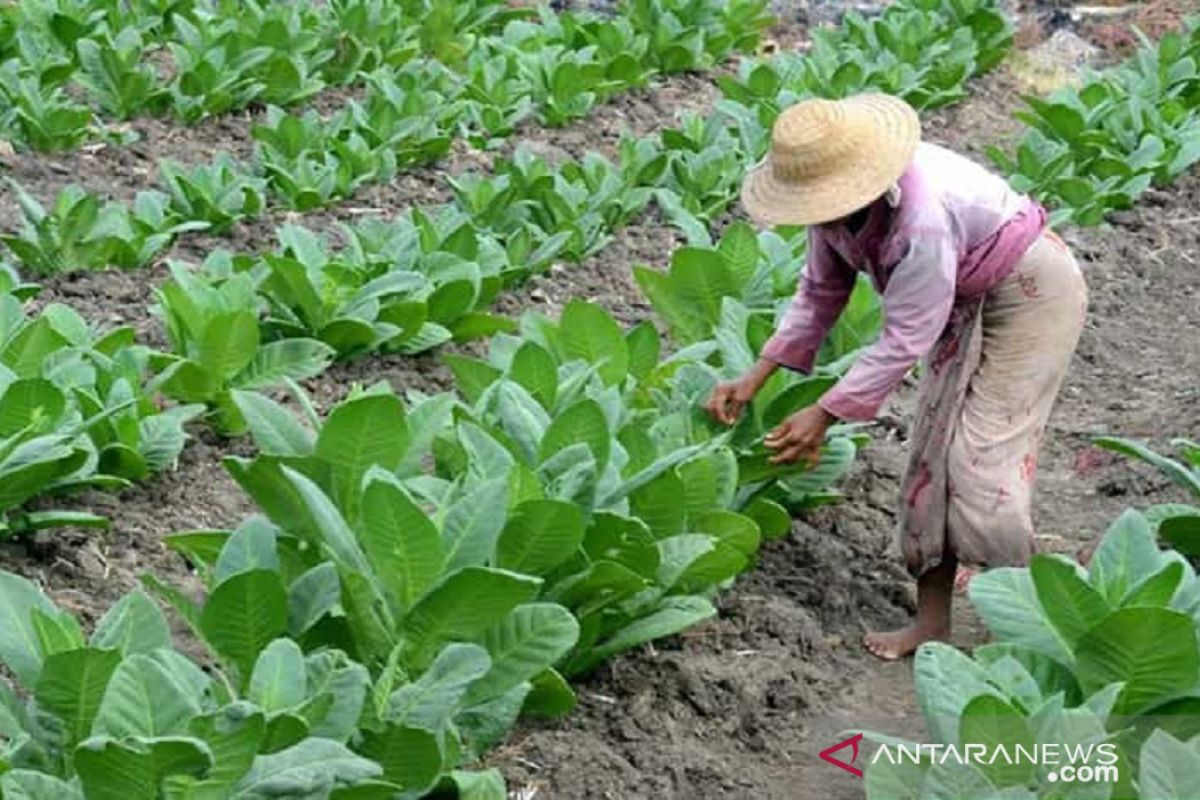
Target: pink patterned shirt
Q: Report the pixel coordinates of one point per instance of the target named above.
(949, 232)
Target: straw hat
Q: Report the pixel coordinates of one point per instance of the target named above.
(829, 158)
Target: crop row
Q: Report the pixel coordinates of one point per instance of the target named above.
(1095, 149)
(423, 568)
(196, 58)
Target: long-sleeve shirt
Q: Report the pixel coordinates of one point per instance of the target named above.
(948, 232)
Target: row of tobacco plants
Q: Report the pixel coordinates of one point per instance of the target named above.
(65, 63)
(429, 79)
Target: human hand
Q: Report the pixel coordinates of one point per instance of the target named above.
(728, 399)
(800, 436)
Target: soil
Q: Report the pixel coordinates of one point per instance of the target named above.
(739, 707)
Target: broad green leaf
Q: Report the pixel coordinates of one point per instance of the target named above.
(410, 757)
(672, 615)
(233, 735)
(551, 696)
(533, 638)
(25, 784)
(472, 525)
(311, 596)
(1158, 589)
(1069, 601)
(487, 785)
(252, 546)
(1008, 602)
(369, 431)
(581, 423)
(946, 681)
(278, 682)
(539, 536)
(243, 615)
(465, 604)
(228, 344)
(992, 722)
(312, 768)
(30, 402)
(534, 368)
(276, 362)
(1170, 769)
(143, 699)
(71, 686)
(587, 332)
(275, 430)
(1126, 556)
(401, 541)
(431, 701)
(1152, 650)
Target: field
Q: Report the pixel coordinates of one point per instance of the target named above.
(388, 585)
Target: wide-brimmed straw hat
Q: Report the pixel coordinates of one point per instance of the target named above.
(829, 158)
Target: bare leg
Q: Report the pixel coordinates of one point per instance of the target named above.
(935, 593)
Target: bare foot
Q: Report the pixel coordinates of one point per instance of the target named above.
(895, 645)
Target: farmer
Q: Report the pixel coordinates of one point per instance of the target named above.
(973, 283)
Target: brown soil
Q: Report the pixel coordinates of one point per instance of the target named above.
(740, 707)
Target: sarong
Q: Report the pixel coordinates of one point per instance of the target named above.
(986, 391)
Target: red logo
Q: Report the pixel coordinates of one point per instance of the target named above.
(852, 742)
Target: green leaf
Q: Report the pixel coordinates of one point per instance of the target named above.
(30, 402)
(522, 645)
(111, 770)
(773, 520)
(143, 699)
(132, 625)
(1158, 589)
(277, 362)
(233, 735)
(672, 615)
(24, 784)
(311, 596)
(410, 757)
(251, 546)
(1070, 602)
(533, 368)
(1170, 768)
(471, 376)
(359, 434)
(539, 536)
(312, 768)
(275, 431)
(1008, 602)
(473, 524)
(465, 604)
(1152, 650)
(581, 423)
(243, 615)
(401, 541)
(278, 682)
(587, 332)
(990, 721)
(1127, 555)
(72, 684)
(433, 699)
(551, 696)
(644, 348)
(487, 785)
(228, 344)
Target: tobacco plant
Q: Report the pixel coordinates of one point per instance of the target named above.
(213, 326)
(1107, 654)
(81, 232)
(1177, 524)
(219, 194)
